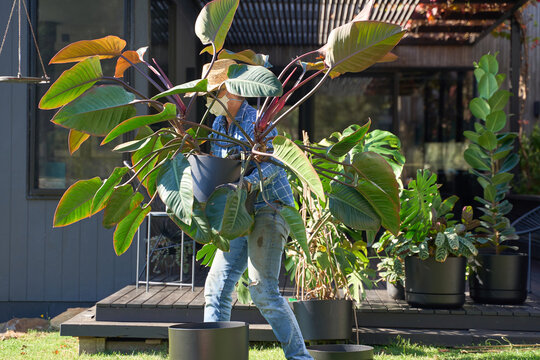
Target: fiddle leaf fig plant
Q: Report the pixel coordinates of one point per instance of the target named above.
(490, 154)
(92, 103)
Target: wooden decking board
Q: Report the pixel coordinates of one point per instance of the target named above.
(123, 300)
(157, 298)
(173, 297)
(111, 298)
(185, 299)
(139, 300)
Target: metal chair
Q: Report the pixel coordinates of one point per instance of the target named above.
(527, 224)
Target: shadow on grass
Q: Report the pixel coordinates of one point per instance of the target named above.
(401, 346)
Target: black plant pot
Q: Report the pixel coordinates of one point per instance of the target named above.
(501, 279)
(210, 171)
(395, 291)
(324, 319)
(432, 284)
(224, 340)
(341, 352)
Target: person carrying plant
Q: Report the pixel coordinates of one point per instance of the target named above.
(260, 251)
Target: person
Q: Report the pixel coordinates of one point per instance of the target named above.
(260, 251)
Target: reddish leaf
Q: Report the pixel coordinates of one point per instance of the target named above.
(75, 140)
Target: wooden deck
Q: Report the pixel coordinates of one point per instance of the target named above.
(134, 313)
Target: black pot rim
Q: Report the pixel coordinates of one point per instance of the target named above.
(491, 253)
(339, 348)
(209, 326)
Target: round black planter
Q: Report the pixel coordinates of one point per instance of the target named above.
(224, 340)
(324, 319)
(341, 352)
(395, 291)
(432, 284)
(501, 279)
(210, 171)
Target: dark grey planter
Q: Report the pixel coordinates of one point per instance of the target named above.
(209, 171)
(432, 284)
(501, 279)
(395, 291)
(341, 352)
(224, 340)
(324, 319)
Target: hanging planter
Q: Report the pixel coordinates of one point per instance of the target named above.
(224, 340)
(208, 172)
(324, 319)
(499, 279)
(341, 352)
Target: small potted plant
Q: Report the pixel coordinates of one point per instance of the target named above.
(434, 247)
(499, 273)
(391, 270)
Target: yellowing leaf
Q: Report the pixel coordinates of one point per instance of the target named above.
(106, 48)
(75, 140)
(135, 57)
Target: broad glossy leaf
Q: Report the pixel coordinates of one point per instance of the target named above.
(388, 146)
(175, 187)
(75, 140)
(378, 184)
(135, 57)
(356, 46)
(294, 159)
(72, 83)
(246, 56)
(168, 113)
(227, 213)
(509, 163)
(490, 192)
(487, 86)
(155, 143)
(127, 228)
(102, 195)
(489, 64)
(98, 111)
(488, 140)
(252, 81)
(475, 161)
(344, 145)
(496, 121)
(479, 108)
(471, 135)
(390, 57)
(214, 22)
(133, 145)
(298, 230)
(502, 178)
(499, 100)
(350, 207)
(106, 48)
(441, 254)
(479, 73)
(121, 203)
(192, 86)
(76, 203)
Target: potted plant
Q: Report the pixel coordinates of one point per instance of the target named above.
(330, 267)
(391, 271)
(499, 274)
(432, 245)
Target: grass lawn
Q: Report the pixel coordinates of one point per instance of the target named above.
(50, 345)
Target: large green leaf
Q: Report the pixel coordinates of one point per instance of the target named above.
(98, 111)
(356, 46)
(168, 113)
(143, 157)
(133, 145)
(499, 100)
(126, 229)
(496, 121)
(226, 211)
(72, 83)
(192, 86)
(297, 228)
(121, 203)
(489, 64)
(378, 184)
(346, 143)
(294, 159)
(488, 140)
(105, 48)
(246, 56)
(479, 108)
(75, 140)
(102, 195)
(76, 203)
(350, 207)
(175, 187)
(214, 22)
(475, 161)
(487, 86)
(252, 81)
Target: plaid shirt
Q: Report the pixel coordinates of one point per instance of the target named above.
(276, 186)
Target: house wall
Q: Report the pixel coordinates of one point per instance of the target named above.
(44, 270)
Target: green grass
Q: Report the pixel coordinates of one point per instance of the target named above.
(50, 345)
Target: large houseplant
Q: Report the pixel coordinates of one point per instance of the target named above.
(432, 246)
(499, 274)
(333, 269)
(93, 104)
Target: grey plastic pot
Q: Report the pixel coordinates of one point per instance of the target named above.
(395, 291)
(224, 340)
(209, 171)
(433, 284)
(324, 319)
(501, 279)
(341, 352)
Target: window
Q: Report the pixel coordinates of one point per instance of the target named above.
(52, 168)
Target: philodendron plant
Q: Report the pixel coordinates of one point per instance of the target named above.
(94, 104)
(490, 154)
(341, 228)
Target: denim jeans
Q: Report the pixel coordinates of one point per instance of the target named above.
(261, 253)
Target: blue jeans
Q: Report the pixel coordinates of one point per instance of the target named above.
(261, 253)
